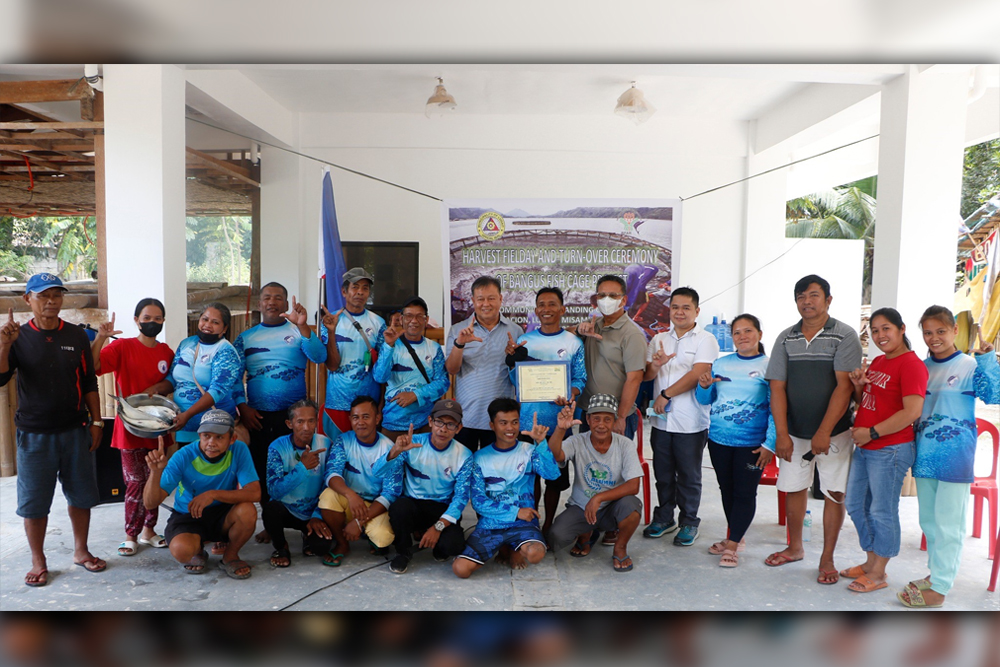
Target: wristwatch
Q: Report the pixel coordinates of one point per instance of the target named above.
(873, 433)
(99, 423)
(439, 526)
(460, 346)
(663, 393)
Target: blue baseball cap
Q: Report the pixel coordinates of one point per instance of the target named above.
(41, 282)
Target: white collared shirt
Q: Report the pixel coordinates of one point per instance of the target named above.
(697, 346)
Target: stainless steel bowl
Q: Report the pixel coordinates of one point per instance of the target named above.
(138, 400)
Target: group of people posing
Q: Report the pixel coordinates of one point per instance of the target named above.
(390, 460)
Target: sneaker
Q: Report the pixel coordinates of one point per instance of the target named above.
(399, 564)
(656, 529)
(686, 536)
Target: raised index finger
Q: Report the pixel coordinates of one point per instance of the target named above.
(10, 314)
(160, 438)
(410, 434)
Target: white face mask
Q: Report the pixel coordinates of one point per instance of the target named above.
(608, 306)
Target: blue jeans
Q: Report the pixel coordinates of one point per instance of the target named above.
(873, 487)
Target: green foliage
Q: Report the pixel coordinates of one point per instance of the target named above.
(218, 249)
(981, 175)
(75, 244)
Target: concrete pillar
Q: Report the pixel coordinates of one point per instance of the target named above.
(280, 219)
(922, 135)
(145, 176)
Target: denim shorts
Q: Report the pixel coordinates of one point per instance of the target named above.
(44, 457)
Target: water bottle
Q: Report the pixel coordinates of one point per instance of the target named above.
(807, 525)
(725, 336)
(713, 329)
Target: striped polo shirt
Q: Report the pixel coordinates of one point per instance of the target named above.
(484, 374)
(809, 368)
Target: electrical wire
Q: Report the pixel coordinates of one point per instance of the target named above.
(745, 278)
(331, 585)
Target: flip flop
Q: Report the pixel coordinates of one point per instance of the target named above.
(198, 561)
(914, 599)
(333, 560)
(854, 572)
(866, 585)
(156, 541)
(579, 546)
(777, 560)
(40, 579)
(826, 574)
(729, 559)
(232, 566)
(281, 553)
(612, 541)
(128, 548)
(99, 565)
(616, 559)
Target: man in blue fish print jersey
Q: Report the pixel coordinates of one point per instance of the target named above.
(412, 366)
(500, 480)
(274, 355)
(356, 500)
(426, 466)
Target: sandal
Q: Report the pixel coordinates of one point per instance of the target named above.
(281, 553)
(920, 584)
(729, 559)
(719, 547)
(219, 548)
(128, 548)
(197, 563)
(99, 565)
(854, 572)
(333, 560)
(610, 538)
(914, 599)
(864, 584)
(232, 567)
(824, 577)
(578, 549)
(36, 579)
(778, 559)
(156, 541)
(621, 562)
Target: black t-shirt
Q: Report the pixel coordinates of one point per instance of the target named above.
(55, 371)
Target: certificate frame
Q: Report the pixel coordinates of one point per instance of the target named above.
(540, 382)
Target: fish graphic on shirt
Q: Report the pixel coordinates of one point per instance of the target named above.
(349, 468)
(494, 480)
(255, 350)
(416, 473)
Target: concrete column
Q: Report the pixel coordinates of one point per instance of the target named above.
(922, 135)
(280, 219)
(145, 176)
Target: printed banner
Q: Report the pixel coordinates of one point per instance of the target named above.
(528, 244)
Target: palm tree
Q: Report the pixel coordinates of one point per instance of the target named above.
(839, 213)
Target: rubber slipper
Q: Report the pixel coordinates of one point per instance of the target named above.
(777, 560)
(610, 538)
(853, 572)
(914, 599)
(40, 579)
(197, 561)
(232, 566)
(128, 548)
(719, 547)
(333, 560)
(99, 565)
(866, 585)
(156, 541)
(920, 585)
(826, 574)
(626, 568)
(729, 559)
(579, 546)
(281, 553)
(219, 548)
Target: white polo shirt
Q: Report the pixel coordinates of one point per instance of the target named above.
(686, 415)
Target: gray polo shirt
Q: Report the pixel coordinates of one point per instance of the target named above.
(621, 350)
(809, 368)
(484, 374)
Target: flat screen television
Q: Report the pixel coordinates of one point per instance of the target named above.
(395, 267)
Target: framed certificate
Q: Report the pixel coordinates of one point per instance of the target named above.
(542, 381)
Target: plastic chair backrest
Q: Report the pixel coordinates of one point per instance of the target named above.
(983, 426)
(638, 434)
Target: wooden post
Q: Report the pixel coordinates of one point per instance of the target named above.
(255, 282)
(99, 206)
(8, 437)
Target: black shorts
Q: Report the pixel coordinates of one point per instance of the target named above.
(209, 527)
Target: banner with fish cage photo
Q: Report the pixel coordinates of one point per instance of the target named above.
(528, 244)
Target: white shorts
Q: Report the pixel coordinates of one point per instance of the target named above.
(833, 466)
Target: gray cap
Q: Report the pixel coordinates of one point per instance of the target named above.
(447, 408)
(216, 421)
(356, 274)
(602, 403)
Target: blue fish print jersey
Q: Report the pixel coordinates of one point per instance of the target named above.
(354, 461)
(396, 368)
(560, 346)
(427, 473)
(275, 358)
(217, 370)
(741, 402)
(354, 376)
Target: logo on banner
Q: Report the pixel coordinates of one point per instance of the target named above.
(630, 220)
(490, 226)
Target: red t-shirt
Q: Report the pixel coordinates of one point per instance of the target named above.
(889, 381)
(136, 368)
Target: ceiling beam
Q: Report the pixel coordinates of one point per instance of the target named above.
(239, 173)
(20, 92)
(72, 125)
(44, 164)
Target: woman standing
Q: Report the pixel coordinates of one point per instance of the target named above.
(138, 364)
(741, 433)
(890, 396)
(946, 450)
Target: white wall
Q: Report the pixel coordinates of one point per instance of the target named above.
(535, 156)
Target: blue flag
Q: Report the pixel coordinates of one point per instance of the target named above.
(334, 266)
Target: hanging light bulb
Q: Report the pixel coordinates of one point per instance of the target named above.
(440, 101)
(633, 105)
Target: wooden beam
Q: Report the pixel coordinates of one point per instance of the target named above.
(239, 173)
(63, 169)
(73, 125)
(15, 92)
(45, 164)
(66, 149)
(100, 209)
(35, 137)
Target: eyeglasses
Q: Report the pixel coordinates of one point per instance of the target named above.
(448, 426)
(605, 295)
(409, 317)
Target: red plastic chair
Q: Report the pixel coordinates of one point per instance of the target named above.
(646, 492)
(996, 566)
(770, 478)
(983, 489)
